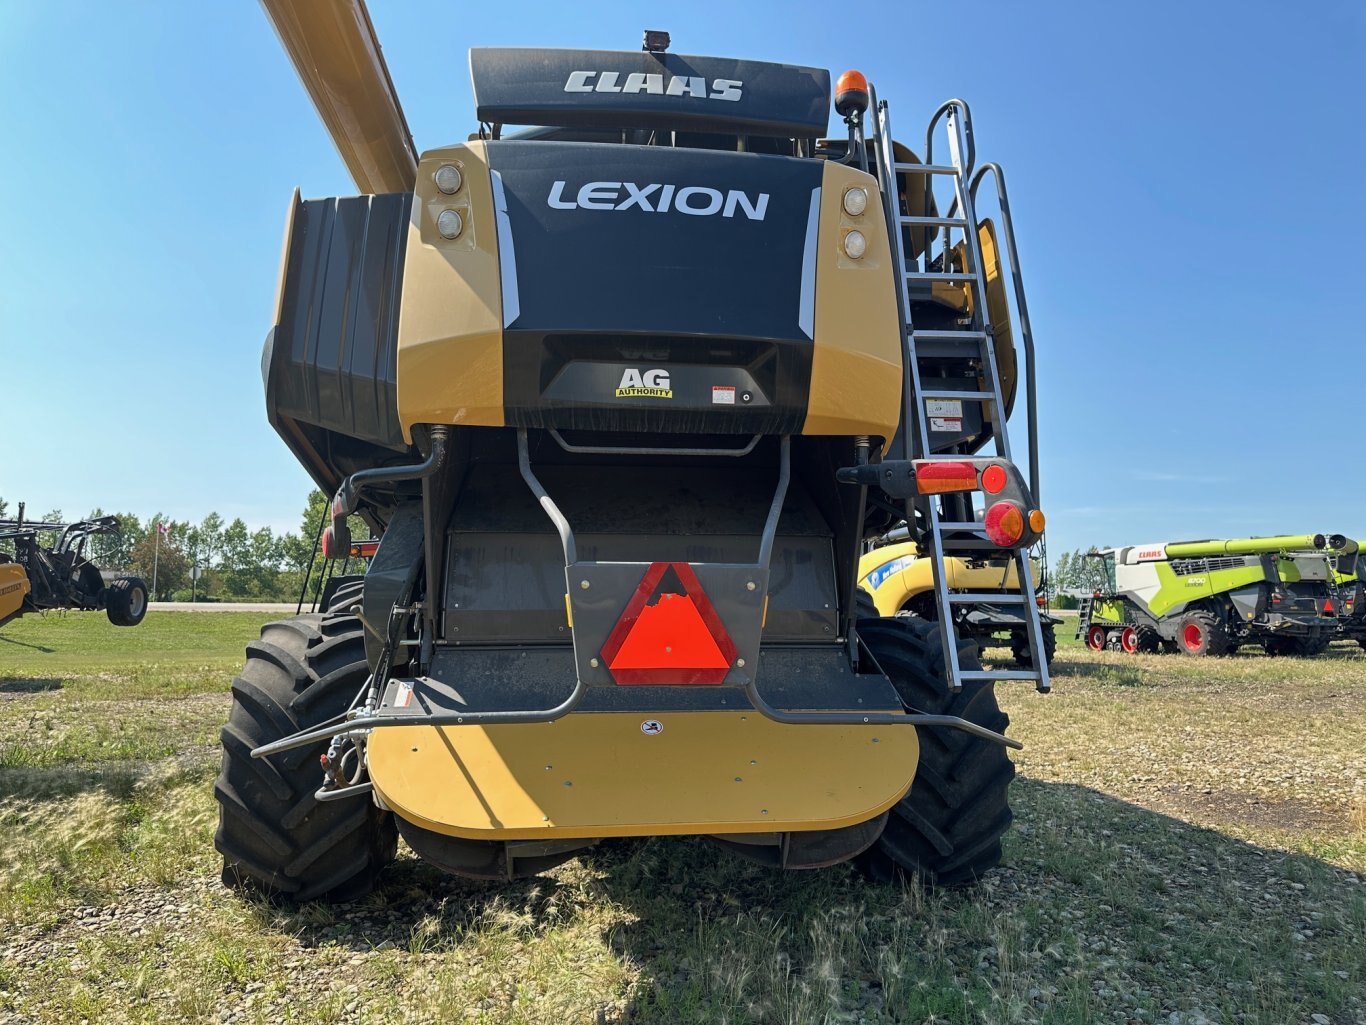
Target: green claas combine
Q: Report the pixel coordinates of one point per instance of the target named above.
(622, 393)
(1210, 597)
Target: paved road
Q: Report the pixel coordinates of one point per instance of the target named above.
(221, 606)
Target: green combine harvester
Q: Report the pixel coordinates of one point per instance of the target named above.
(1349, 580)
(1211, 597)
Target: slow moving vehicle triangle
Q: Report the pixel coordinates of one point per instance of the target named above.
(669, 632)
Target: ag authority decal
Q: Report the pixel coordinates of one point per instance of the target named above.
(652, 384)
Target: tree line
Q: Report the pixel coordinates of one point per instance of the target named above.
(1071, 575)
(236, 562)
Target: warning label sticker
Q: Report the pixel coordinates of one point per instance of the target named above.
(652, 727)
(944, 407)
(722, 395)
(403, 697)
(948, 424)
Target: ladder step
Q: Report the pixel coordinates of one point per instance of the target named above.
(945, 222)
(950, 526)
(924, 169)
(938, 275)
(999, 674)
(1007, 598)
(976, 396)
(948, 336)
(976, 544)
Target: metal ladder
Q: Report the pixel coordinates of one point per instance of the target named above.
(947, 537)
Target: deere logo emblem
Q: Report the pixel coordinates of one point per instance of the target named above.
(652, 384)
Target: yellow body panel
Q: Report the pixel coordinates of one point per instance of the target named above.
(911, 576)
(998, 306)
(856, 359)
(450, 330)
(14, 586)
(599, 774)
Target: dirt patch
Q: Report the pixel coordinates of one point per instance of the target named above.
(1238, 808)
(21, 686)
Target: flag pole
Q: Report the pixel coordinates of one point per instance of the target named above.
(156, 558)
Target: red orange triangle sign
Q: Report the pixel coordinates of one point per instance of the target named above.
(679, 639)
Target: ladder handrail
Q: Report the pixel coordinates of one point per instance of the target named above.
(915, 422)
(1022, 308)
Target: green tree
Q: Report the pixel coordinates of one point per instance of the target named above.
(166, 562)
(115, 551)
(210, 540)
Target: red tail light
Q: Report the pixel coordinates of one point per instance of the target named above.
(1005, 524)
(936, 478)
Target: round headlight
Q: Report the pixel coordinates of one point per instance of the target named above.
(855, 201)
(855, 245)
(450, 224)
(448, 179)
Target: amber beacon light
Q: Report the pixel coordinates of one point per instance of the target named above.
(851, 93)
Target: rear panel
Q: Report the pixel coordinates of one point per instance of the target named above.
(647, 289)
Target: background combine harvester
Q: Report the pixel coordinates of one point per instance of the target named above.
(623, 395)
(898, 580)
(36, 577)
(1349, 582)
(1210, 597)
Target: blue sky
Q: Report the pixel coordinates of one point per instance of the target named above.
(1183, 179)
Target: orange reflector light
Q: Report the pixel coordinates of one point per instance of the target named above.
(364, 549)
(936, 478)
(851, 93)
(993, 479)
(1040, 601)
(1005, 524)
(1036, 520)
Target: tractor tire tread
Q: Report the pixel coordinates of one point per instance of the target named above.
(947, 829)
(274, 835)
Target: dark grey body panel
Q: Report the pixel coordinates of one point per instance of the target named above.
(505, 577)
(390, 576)
(648, 272)
(528, 87)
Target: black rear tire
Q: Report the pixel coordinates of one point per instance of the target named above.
(1149, 640)
(275, 837)
(947, 829)
(1019, 646)
(125, 601)
(1203, 633)
(1296, 647)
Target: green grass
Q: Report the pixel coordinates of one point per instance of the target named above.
(1190, 840)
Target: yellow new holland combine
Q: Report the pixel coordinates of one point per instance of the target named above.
(623, 392)
(900, 580)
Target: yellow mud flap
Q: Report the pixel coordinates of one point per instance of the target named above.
(597, 774)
